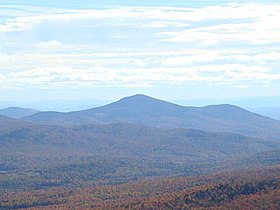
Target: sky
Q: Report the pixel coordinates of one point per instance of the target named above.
(105, 50)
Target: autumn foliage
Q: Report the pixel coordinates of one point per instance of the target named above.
(255, 189)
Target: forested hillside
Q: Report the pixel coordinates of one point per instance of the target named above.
(256, 189)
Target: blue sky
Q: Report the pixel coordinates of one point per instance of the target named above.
(109, 3)
(109, 49)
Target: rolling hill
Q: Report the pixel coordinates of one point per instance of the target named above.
(148, 111)
(122, 139)
(115, 152)
(17, 112)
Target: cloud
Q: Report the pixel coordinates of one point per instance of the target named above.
(140, 46)
(221, 56)
(53, 44)
(19, 24)
(212, 35)
(95, 76)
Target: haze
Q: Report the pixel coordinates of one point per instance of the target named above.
(99, 52)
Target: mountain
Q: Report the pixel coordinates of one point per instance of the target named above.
(19, 137)
(129, 140)
(36, 156)
(145, 110)
(17, 112)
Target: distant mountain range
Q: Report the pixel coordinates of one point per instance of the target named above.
(17, 112)
(144, 110)
(140, 126)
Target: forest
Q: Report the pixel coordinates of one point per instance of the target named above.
(253, 189)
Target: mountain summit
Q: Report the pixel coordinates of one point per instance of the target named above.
(138, 104)
(141, 100)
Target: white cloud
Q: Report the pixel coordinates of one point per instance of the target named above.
(260, 32)
(94, 76)
(19, 24)
(140, 46)
(220, 55)
(53, 44)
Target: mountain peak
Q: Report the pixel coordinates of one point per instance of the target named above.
(138, 97)
(142, 101)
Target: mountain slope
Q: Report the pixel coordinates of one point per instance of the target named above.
(141, 109)
(20, 137)
(42, 156)
(253, 189)
(17, 112)
(9, 124)
(263, 158)
(271, 112)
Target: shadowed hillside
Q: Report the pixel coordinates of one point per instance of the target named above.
(19, 137)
